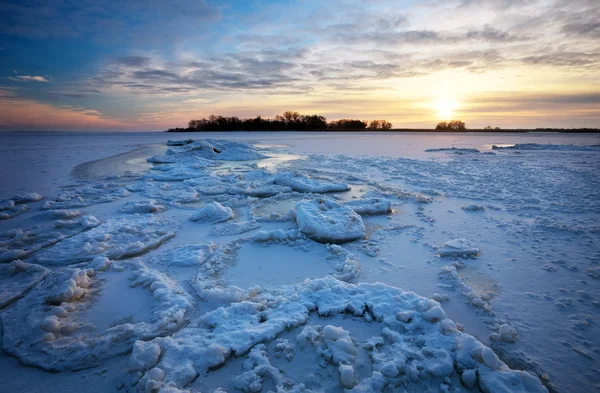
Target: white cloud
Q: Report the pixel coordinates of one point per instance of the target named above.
(28, 78)
(197, 101)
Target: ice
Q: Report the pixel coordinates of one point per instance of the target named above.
(453, 150)
(217, 150)
(261, 190)
(189, 255)
(27, 198)
(168, 191)
(301, 183)
(19, 243)
(150, 206)
(419, 349)
(85, 196)
(326, 221)
(52, 328)
(117, 238)
(17, 278)
(370, 206)
(235, 228)
(213, 213)
(536, 146)
(9, 210)
(458, 248)
(473, 208)
(533, 211)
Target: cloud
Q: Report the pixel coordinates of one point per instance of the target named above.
(24, 114)
(198, 101)
(28, 78)
(133, 61)
(107, 21)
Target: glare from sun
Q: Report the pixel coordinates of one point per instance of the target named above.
(445, 108)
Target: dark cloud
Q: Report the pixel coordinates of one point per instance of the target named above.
(585, 29)
(133, 61)
(562, 59)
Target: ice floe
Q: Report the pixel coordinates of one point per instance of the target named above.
(326, 221)
(370, 206)
(302, 183)
(50, 327)
(458, 248)
(17, 278)
(150, 206)
(85, 196)
(416, 342)
(213, 213)
(117, 238)
(19, 243)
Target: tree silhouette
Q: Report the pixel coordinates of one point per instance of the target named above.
(454, 125)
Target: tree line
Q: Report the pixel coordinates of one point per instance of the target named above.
(288, 121)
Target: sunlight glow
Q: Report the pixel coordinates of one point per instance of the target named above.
(445, 108)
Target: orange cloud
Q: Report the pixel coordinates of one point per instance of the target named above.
(23, 114)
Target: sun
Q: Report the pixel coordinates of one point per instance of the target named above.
(445, 108)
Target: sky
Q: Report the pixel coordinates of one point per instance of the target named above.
(145, 65)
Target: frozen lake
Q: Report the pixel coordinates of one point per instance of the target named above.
(215, 261)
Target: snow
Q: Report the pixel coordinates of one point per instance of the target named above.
(282, 295)
(326, 221)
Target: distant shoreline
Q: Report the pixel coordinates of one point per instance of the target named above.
(425, 130)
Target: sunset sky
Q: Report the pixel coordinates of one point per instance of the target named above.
(149, 65)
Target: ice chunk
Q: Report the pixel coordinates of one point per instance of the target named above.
(235, 228)
(347, 375)
(150, 206)
(326, 221)
(418, 349)
(117, 238)
(213, 213)
(370, 206)
(18, 243)
(458, 248)
(86, 196)
(453, 150)
(144, 355)
(301, 183)
(17, 279)
(473, 208)
(189, 255)
(167, 191)
(51, 328)
(27, 198)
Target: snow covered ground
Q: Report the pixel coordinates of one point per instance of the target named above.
(304, 262)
